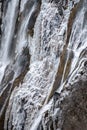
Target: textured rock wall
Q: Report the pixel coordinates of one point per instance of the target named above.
(44, 85)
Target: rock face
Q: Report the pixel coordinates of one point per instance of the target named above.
(43, 65)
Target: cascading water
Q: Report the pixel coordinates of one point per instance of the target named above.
(9, 23)
(22, 35)
(43, 65)
(73, 71)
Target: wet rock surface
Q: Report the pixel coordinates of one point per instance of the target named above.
(44, 82)
(69, 109)
(13, 76)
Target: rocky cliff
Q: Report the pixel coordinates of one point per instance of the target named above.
(43, 65)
